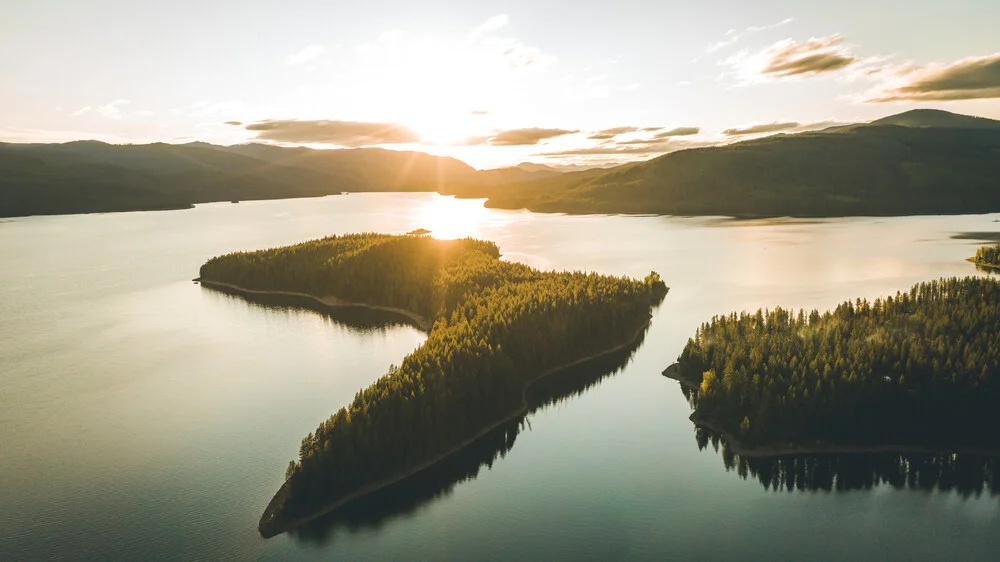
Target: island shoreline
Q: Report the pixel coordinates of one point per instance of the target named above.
(269, 527)
(326, 303)
(982, 264)
(675, 372)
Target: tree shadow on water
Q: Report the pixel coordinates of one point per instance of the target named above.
(966, 474)
(355, 318)
(406, 497)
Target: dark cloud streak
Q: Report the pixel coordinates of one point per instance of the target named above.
(966, 79)
(525, 137)
(761, 129)
(340, 133)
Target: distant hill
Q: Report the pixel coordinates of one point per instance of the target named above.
(92, 176)
(936, 118)
(919, 162)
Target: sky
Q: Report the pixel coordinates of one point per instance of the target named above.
(491, 83)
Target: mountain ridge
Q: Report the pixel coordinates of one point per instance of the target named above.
(916, 162)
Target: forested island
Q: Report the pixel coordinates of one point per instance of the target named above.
(408, 495)
(914, 371)
(987, 256)
(494, 328)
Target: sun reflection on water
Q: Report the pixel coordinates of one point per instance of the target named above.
(449, 218)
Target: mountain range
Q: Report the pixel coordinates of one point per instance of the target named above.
(918, 162)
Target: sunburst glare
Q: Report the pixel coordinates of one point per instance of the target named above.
(449, 218)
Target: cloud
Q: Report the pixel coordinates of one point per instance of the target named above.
(630, 148)
(965, 79)
(760, 129)
(793, 59)
(492, 24)
(523, 137)
(611, 133)
(608, 134)
(339, 133)
(479, 112)
(513, 52)
(83, 110)
(732, 36)
(778, 127)
(308, 54)
(234, 123)
(679, 132)
(112, 110)
(519, 55)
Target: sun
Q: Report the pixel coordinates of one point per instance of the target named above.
(444, 126)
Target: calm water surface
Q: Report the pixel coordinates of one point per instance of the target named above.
(144, 417)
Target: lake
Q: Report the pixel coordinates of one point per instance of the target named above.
(145, 417)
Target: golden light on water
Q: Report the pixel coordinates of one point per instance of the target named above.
(449, 218)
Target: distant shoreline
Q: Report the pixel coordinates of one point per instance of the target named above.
(270, 527)
(981, 264)
(738, 447)
(327, 302)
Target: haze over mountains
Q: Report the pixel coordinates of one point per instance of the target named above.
(918, 162)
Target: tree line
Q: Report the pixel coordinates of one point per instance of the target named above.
(988, 255)
(496, 326)
(920, 367)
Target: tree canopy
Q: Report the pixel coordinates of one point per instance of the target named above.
(988, 256)
(497, 326)
(918, 368)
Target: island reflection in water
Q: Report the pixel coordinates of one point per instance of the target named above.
(406, 497)
(967, 474)
(355, 318)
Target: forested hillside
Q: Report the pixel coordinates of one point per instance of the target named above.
(918, 162)
(947, 164)
(497, 326)
(91, 176)
(918, 368)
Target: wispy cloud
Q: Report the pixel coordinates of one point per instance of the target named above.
(965, 79)
(789, 59)
(780, 127)
(306, 55)
(760, 129)
(678, 132)
(611, 133)
(529, 136)
(629, 150)
(733, 35)
(492, 24)
(338, 133)
(608, 134)
(111, 110)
